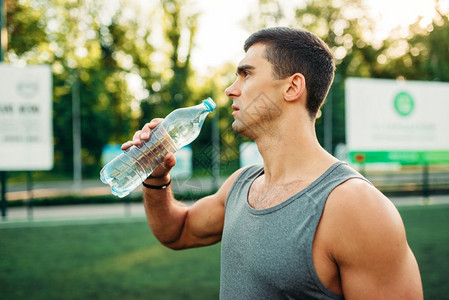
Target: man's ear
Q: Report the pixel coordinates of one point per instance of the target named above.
(295, 88)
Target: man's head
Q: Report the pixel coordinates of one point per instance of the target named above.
(293, 51)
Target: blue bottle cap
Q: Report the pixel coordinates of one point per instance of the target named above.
(210, 104)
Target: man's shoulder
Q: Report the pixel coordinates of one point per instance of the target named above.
(358, 197)
(363, 216)
(228, 185)
(366, 237)
(357, 190)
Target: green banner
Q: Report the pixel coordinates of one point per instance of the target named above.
(403, 157)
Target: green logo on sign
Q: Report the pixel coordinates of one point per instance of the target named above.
(404, 104)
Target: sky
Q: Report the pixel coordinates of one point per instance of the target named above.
(221, 35)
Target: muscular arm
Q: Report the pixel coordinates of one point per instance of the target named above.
(177, 226)
(173, 223)
(370, 245)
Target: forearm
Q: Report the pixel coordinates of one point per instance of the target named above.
(166, 216)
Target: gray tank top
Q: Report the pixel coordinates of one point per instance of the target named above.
(267, 253)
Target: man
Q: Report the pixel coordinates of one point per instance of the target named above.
(303, 226)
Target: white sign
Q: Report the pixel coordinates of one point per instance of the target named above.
(397, 116)
(26, 135)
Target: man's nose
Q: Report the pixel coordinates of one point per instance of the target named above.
(233, 91)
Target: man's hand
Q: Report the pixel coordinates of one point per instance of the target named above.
(163, 170)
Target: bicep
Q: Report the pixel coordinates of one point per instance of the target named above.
(374, 258)
(395, 276)
(204, 222)
(205, 218)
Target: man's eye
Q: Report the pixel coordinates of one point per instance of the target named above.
(246, 73)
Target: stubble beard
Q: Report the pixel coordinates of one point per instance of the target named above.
(248, 129)
(256, 119)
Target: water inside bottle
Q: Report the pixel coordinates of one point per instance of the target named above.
(179, 128)
(127, 171)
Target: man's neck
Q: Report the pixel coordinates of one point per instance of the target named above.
(293, 155)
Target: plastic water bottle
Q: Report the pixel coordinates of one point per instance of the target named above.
(129, 169)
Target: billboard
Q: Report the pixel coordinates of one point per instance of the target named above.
(397, 121)
(26, 134)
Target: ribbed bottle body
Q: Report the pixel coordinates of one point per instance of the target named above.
(127, 171)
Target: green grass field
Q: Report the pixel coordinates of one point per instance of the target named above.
(123, 260)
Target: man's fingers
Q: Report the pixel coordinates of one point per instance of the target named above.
(152, 124)
(165, 167)
(169, 160)
(143, 134)
(168, 163)
(126, 145)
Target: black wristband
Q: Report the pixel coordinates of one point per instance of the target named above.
(156, 187)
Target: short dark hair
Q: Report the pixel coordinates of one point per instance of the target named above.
(293, 51)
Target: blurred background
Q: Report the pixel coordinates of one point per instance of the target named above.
(115, 65)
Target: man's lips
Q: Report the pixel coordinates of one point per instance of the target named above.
(235, 109)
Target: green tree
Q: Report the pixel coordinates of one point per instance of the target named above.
(172, 88)
(21, 19)
(346, 28)
(103, 48)
(423, 55)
